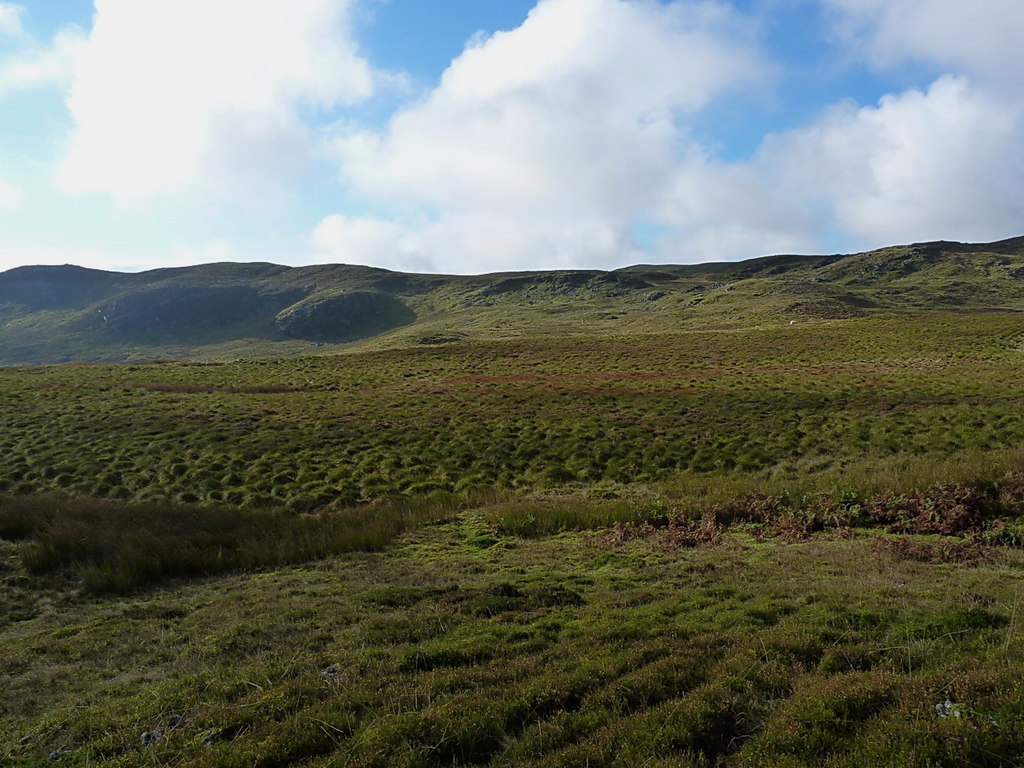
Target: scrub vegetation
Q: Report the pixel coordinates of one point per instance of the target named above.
(666, 539)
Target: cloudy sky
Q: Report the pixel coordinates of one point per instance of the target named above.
(483, 135)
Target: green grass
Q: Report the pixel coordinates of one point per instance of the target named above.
(740, 546)
(116, 547)
(554, 651)
(750, 407)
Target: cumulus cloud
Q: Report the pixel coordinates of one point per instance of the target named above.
(564, 142)
(981, 38)
(540, 146)
(941, 163)
(938, 162)
(28, 64)
(194, 95)
(210, 252)
(10, 196)
(722, 211)
(546, 146)
(370, 241)
(10, 20)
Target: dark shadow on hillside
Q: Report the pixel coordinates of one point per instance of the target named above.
(344, 317)
(183, 314)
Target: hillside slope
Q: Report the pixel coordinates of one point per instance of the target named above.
(217, 311)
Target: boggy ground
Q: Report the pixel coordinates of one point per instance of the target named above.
(759, 546)
(521, 414)
(459, 645)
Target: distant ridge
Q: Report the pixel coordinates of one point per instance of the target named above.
(51, 314)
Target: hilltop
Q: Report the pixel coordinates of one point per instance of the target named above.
(52, 314)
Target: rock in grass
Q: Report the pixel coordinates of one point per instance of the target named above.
(947, 708)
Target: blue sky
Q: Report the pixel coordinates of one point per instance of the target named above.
(468, 136)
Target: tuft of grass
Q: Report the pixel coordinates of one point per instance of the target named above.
(542, 517)
(116, 547)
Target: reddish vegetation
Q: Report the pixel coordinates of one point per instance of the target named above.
(189, 388)
(675, 532)
(967, 552)
(971, 512)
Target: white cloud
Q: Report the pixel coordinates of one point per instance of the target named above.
(24, 62)
(982, 37)
(944, 163)
(551, 145)
(368, 241)
(10, 196)
(211, 252)
(718, 211)
(10, 19)
(205, 96)
(33, 66)
(541, 145)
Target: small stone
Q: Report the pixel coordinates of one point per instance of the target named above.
(151, 737)
(331, 671)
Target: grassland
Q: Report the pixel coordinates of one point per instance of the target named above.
(518, 414)
(726, 541)
(462, 647)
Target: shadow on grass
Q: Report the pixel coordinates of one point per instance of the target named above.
(116, 547)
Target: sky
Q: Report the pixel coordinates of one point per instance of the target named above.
(471, 136)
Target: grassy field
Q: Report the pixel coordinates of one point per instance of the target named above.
(538, 412)
(769, 545)
(462, 646)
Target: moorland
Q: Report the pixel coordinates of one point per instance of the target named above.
(768, 513)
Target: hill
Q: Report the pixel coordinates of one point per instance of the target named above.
(755, 515)
(225, 311)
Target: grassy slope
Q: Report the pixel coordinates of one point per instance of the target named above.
(226, 311)
(519, 629)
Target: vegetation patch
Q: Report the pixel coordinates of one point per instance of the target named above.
(638, 518)
(117, 547)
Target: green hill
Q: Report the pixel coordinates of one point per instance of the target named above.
(224, 311)
(756, 515)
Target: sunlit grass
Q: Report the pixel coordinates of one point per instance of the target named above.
(723, 409)
(769, 547)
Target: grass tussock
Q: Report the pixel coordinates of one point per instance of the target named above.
(116, 546)
(697, 413)
(682, 630)
(862, 478)
(191, 388)
(542, 517)
(832, 653)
